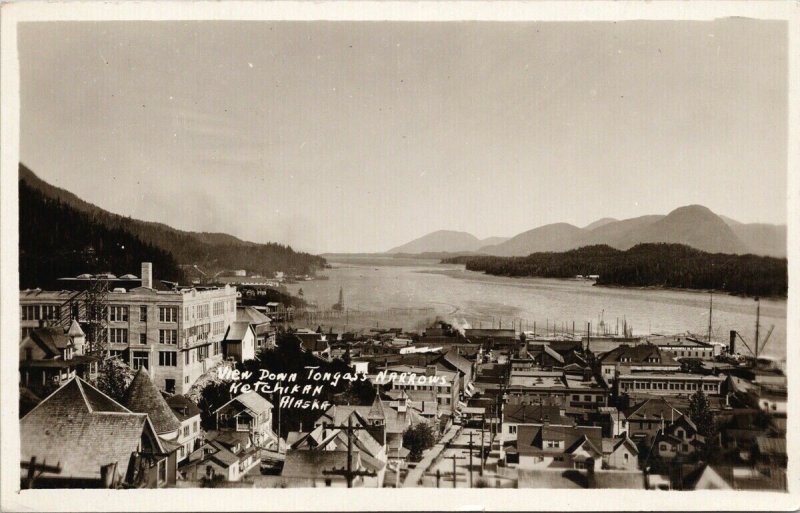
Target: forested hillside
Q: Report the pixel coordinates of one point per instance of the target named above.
(56, 240)
(212, 252)
(647, 265)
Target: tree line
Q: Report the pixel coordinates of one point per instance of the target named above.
(56, 241)
(646, 265)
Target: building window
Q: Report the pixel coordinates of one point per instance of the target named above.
(30, 313)
(185, 430)
(51, 312)
(625, 457)
(169, 386)
(142, 338)
(143, 313)
(327, 482)
(663, 447)
(167, 358)
(512, 429)
(167, 314)
(168, 337)
(202, 311)
(186, 358)
(219, 308)
(685, 447)
(118, 335)
(186, 380)
(118, 313)
(141, 359)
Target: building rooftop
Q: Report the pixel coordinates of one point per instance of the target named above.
(142, 396)
(82, 430)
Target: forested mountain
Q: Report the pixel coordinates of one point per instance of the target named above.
(56, 240)
(647, 265)
(693, 225)
(212, 252)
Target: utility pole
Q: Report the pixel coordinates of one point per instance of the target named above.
(32, 467)
(454, 458)
(470, 458)
(483, 423)
(348, 471)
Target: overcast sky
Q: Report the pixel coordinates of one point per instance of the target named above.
(346, 136)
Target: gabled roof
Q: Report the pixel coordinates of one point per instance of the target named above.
(75, 330)
(251, 315)
(313, 342)
(142, 396)
(530, 437)
(253, 401)
(457, 361)
(637, 354)
(377, 411)
(51, 339)
(238, 330)
(305, 464)
(82, 429)
(183, 407)
(583, 442)
(533, 414)
(654, 409)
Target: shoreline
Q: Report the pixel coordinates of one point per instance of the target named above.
(462, 273)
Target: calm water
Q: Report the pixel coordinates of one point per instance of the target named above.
(464, 296)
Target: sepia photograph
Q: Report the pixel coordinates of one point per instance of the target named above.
(269, 254)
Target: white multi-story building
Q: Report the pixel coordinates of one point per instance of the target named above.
(176, 333)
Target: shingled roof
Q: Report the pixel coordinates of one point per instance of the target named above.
(81, 429)
(637, 354)
(142, 396)
(51, 339)
(237, 330)
(313, 464)
(183, 407)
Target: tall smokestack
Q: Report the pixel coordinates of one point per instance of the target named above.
(732, 346)
(147, 275)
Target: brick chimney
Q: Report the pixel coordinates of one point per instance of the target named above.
(147, 275)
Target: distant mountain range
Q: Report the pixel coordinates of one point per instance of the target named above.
(692, 225)
(63, 235)
(446, 241)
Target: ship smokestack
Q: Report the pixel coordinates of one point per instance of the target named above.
(732, 345)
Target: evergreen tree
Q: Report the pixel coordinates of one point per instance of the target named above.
(417, 439)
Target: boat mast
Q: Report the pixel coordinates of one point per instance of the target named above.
(758, 318)
(710, 312)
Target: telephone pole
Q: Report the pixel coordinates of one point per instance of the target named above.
(454, 458)
(348, 472)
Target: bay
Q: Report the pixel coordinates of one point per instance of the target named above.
(378, 283)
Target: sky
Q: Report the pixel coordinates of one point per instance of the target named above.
(361, 136)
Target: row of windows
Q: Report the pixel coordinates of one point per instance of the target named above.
(587, 398)
(692, 353)
(201, 311)
(116, 313)
(37, 312)
(218, 327)
(660, 385)
(120, 336)
(219, 307)
(166, 358)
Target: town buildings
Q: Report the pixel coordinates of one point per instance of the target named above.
(173, 332)
(88, 440)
